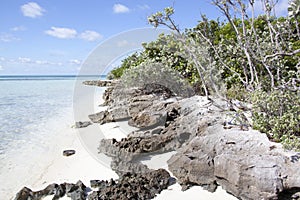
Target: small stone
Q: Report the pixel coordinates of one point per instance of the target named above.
(68, 152)
(82, 124)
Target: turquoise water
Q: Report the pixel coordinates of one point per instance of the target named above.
(36, 113)
(28, 102)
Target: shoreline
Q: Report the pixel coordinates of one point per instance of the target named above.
(85, 167)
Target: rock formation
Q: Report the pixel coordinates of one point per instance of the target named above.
(213, 147)
(129, 186)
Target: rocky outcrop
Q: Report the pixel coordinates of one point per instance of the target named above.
(129, 186)
(74, 191)
(101, 83)
(128, 103)
(215, 145)
(244, 163)
(132, 186)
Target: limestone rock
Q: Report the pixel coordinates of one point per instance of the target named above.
(242, 162)
(82, 124)
(133, 186)
(101, 83)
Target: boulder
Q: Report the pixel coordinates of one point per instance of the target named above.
(244, 163)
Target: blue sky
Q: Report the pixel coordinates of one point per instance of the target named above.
(56, 36)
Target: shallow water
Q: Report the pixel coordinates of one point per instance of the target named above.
(34, 111)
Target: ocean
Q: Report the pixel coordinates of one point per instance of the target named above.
(34, 110)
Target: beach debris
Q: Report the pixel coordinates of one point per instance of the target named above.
(69, 152)
(82, 124)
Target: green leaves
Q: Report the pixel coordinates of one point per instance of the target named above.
(277, 114)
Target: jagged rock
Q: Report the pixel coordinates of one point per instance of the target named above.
(134, 186)
(107, 96)
(242, 162)
(82, 124)
(69, 152)
(74, 191)
(97, 183)
(24, 194)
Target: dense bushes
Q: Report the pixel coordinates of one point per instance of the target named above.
(277, 114)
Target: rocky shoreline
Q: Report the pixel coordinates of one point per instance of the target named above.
(213, 148)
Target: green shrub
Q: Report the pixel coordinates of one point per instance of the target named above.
(277, 113)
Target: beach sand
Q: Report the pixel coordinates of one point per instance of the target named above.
(86, 164)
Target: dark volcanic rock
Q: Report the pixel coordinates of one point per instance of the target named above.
(69, 152)
(82, 124)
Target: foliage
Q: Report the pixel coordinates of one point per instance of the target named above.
(130, 61)
(277, 114)
(241, 56)
(155, 72)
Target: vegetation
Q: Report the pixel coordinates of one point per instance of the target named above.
(244, 55)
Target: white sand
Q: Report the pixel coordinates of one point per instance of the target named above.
(87, 165)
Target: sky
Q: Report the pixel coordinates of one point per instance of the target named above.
(57, 36)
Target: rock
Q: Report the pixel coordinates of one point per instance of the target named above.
(134, 186)
(101, 83)
(97, 183)
(101, 117)
(75, 191)
(69, 152)
(24, 194)
(116, 114)
(107, 96)
(82, 124)
(240, 161)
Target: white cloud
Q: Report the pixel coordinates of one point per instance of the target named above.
(18, 28)
(24, 60)
(62, 33)
(2, 59)
(75, 62)
(32, 10)
(90, 36)
(1, 68)
(144, 7)
(5, 37)
(119, 8)
(42, 62)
